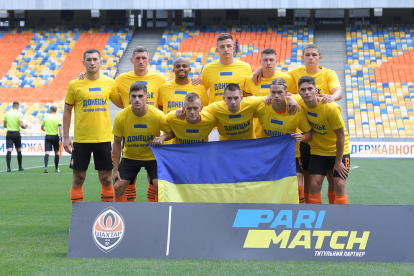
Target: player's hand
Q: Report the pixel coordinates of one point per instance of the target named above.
(180, 113)
(158, 141)
(26, 126)
(340, 168)
(298, 136)
(196, 81)
(67, 145)
(268, 100)
(81, 76)
(257, 76)
(292, 106)
(116, 177)
(327, 99)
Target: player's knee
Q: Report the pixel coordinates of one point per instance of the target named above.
(105, 180)
(119, 189)
(78, 179)
(340, 187)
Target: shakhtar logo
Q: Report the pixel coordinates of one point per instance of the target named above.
(108, 229)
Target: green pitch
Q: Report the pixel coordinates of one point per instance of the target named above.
(35, 214)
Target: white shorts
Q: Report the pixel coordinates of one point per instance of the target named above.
(214, 135)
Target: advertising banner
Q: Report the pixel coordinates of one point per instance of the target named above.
(382, 149)
(29, 148)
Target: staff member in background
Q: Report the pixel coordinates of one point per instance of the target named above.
(53, 127)
(13, 121)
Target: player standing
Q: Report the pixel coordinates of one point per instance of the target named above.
(52, 126)
(13, 121)
(139, 124)
(330, 143)
(90, 100)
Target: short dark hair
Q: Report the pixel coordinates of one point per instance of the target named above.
(224, 36)
(191, 97)
(53, 108)
(279, 81)
(136, 86)
(232, 87)
(268, 51)
(139, 49)
(15, 104)
(307, 79)
(90, 51)
(311, 46)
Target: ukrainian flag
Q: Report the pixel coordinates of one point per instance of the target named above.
(313, 116)
(276, 124)
(140, 128)
(180, 94)
(265, 88)
(242, 171)
(192, 132)
(95, 91)
(226, 75)
(235, 118)
(144, 82)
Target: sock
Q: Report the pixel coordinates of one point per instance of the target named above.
(8, 159)
(301, 194)
(156, 198)
(331, 197)
(107, 193)
(46, 160)
(56, 161)
(306, 198)
(315, 199)
(122, 198)
(151, 193)
(19, 158)
(131, 192)
(76, 194)
(341, 199)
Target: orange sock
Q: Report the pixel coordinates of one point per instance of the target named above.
(341, 199)
(122, 198)
(76, 194)
(301, 194)
(131, 192)
(306, 198)
(107, 193)
(331, 197)
(315, 199)
(156, 198)
(151, 193)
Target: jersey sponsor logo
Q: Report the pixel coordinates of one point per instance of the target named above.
(180, 94)
(192, 132)
(95, 91)
(143, 82)
(276, 124)
(175, 104)
(226, 75)
(313, 116)
(235, 118)
(265, 88)
(140, 128)
(108, 229)
(190, 141)
(90, 102)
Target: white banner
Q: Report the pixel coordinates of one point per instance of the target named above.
(29, 148)
(382, 149)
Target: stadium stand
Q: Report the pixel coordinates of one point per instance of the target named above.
(39, 63)
(379, 81)
(197, 43)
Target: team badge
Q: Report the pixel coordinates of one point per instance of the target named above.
(235, 118)
(276, 124)
(312, 116)
(108, 229)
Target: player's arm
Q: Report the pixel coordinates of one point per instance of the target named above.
(305, 137)
(340, 144)
(60, 132)
(118, 102)
(22, 125)
(336, 96)
(159, 140)
(257, 76)
(5, 124)
(67, 115)
(116, 151)
(43, 128)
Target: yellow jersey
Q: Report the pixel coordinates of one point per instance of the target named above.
(326, 79)
(263, 89)
(216, 77)
(172, 95)
(282, 123)
(235, 126)
(139, 131)
(152, 80)
(186, 133)
(90, 99)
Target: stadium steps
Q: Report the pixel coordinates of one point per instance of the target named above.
(148, 38)
(333, 48)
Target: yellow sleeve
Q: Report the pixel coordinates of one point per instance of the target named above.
(118, 129)
(333, 81)
(291, 85)
(114, 95)
(258, 110)
(209, 108)
(304, 125)
(335, 118)
(205, 79)
(43, 122)
(162, 122)
(160, 96)
(246, 82)
(69, 98)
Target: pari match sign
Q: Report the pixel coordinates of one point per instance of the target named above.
(242, 231)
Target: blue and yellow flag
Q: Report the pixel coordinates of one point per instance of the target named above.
(242, 171)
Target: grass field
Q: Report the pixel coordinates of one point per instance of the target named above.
(35, 214)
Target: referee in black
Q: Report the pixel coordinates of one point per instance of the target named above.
(53, 127)
(13, 121)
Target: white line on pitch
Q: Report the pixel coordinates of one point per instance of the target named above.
(354, 167)
(169, 231)
(51, 165)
